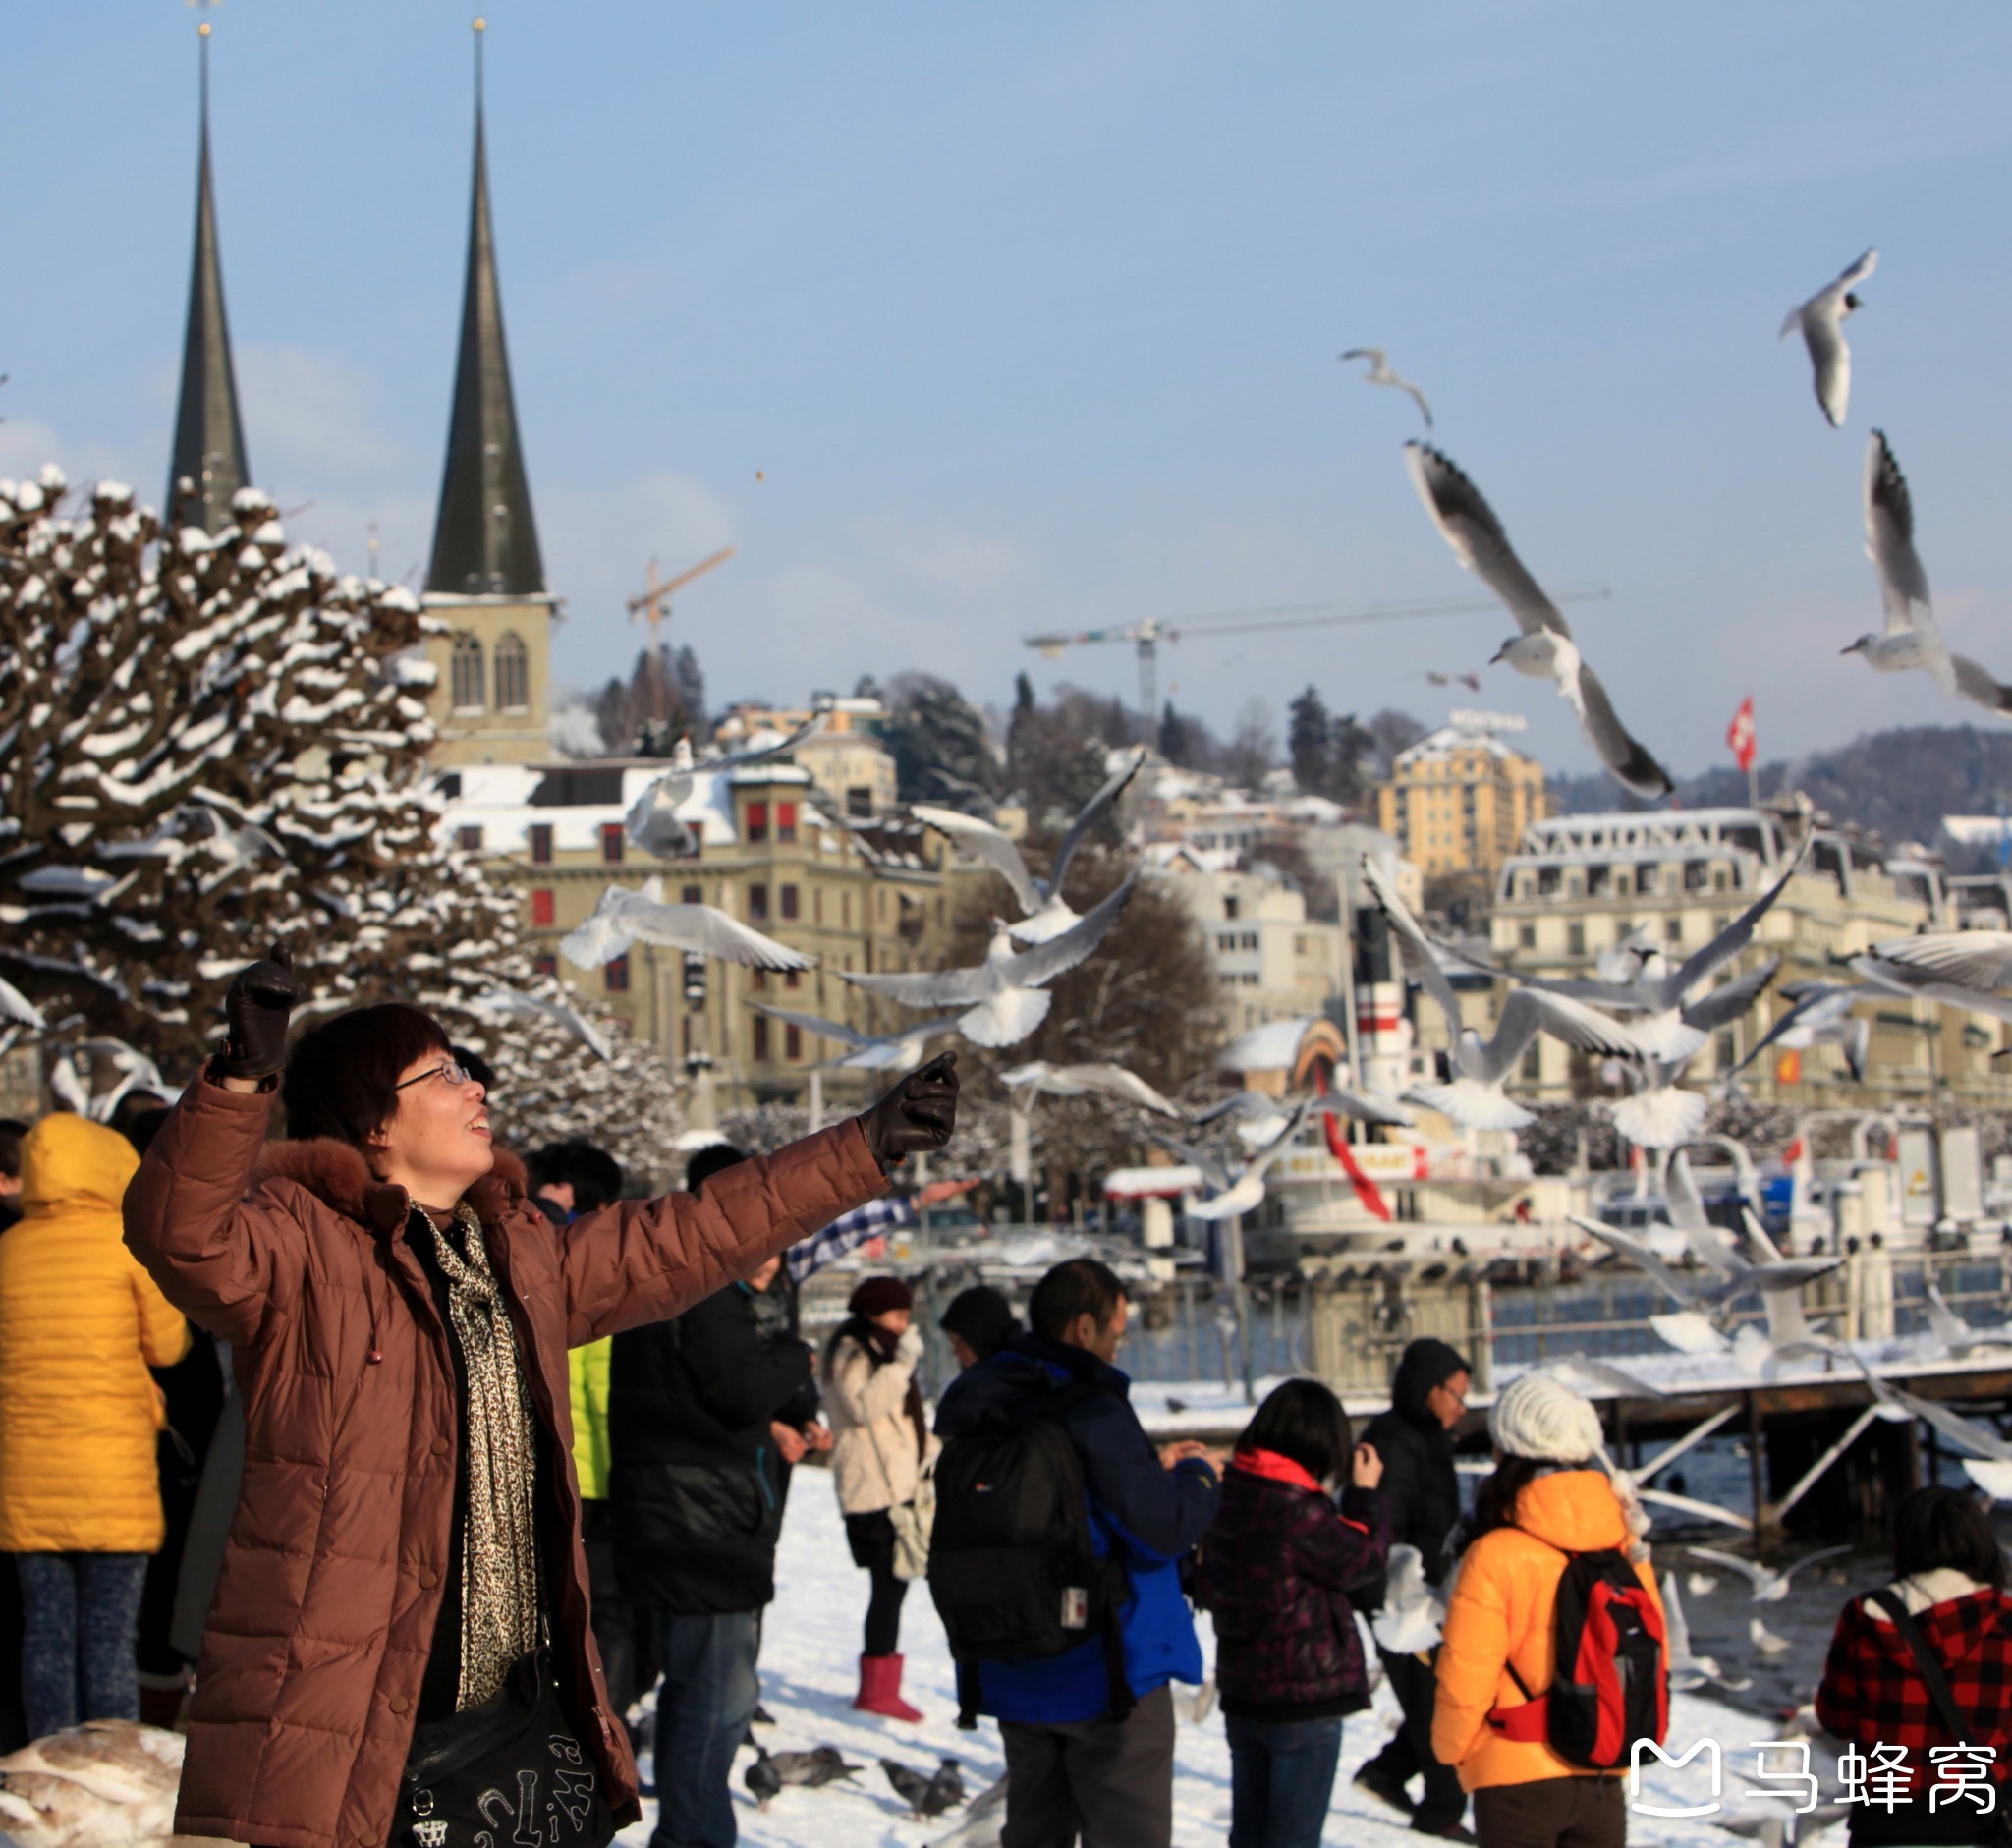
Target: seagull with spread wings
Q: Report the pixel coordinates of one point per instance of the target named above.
(1476, 1099)
(1242, 1192)
(1379, 374)
(653, 823)
(1005, 998)
(500, 1003)
(1544, 649)
(1963, 968)
(1820, 1013)
(1044, 913)
(1084, 1080)
(1912, 638)
(866, 1052)
(1822, 321)
(626, 917)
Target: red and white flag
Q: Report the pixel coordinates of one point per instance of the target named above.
(1740, 734)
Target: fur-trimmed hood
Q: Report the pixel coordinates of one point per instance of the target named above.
(337, 1174)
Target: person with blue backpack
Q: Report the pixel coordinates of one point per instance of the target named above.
(1056, 1567)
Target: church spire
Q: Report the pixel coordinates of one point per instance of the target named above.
(486, 542)
(210, 439)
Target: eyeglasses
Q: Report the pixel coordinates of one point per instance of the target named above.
(447, 1072)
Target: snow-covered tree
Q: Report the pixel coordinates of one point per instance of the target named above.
(208, 744)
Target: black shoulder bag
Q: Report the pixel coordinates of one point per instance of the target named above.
(1998, 1824)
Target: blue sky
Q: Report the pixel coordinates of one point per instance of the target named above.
(1028, 315)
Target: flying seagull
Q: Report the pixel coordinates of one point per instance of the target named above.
(1713, 1300)
(1005, 998)
(1083, 1081)
(641, 915)
(1961, 969)
(1820, 1015)
(1251, 1107)
(17, 1008)
(1769, 1586)
(1044, 913)
(652, 822)
(1821, 320)
(502, 1004)
(869, 1052)
(1242, 1192)
(1544, 650)
(1687, 1672)
(1379, 374)
(1475, 1100)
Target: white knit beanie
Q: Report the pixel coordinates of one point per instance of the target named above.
(1542, 1418)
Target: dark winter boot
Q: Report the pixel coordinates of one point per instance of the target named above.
(880, 1689)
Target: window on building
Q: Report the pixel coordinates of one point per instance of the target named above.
(844, 907)
(1673, 929)
(465, 674)
(542, 910)
(755, 821)
(513, 673)
(615, 976)
(1728, 1052)
(758, 904)
(758, 1038)
(1533, 1062)
(859, 803)
(792, 1040)
(690, 895)
(1229, 905)
(1575, 939)
(786, 901)
(1526, 936)
(817, 903)
(541, 837)
(545, 965)
(757, 978)
(791, 977)
(785, 822)
(469, 840)
(611, 843)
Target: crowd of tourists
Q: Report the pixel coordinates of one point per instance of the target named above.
(399, 1472)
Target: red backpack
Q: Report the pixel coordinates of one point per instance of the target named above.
(1609, 1687)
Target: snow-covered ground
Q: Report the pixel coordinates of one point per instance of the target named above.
(810, 1672)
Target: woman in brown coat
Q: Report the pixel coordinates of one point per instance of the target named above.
(406, 1543)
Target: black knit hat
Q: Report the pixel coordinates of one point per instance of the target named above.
(877, 1295)
(982, 1318)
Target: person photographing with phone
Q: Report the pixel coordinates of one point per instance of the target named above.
(401, 1623)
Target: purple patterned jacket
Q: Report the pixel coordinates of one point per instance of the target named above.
(1276, 1570)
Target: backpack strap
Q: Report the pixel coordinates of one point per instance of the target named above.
(1932, 1677)
(1055, 1403)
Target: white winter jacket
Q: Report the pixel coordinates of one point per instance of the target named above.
(873, 1461)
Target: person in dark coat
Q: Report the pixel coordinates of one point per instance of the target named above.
(1071, 1766)
(1276, 1570)
(980, 1322)
(700, 1458)
(11, 1132)
(1414, 1439)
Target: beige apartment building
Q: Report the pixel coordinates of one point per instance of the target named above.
(1271, 961)
(1459, 799)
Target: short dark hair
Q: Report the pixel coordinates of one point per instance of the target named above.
(1304, 1421)
(1078, 1286)
(595, 1176)
(982, 1319)
(11, 1132)
(144, 1125)
(477, 1067)
(1944, 1526)
(342, 1076)
(708, 1161)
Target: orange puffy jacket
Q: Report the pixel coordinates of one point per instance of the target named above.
(1500, 1612)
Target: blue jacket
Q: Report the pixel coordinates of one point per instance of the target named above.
(1147, 1515)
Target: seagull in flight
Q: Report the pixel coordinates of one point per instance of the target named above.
(1821, 320)
(1476, 1099)
(500, 1003)
(641, 915)
(1769, 1586)
(1083, 1081)
(867, 1052)
(1252, 1108)
(1958, 968)
(652, 822)
(1044, 913)
(1544, 649)
(1005, 998)
(1912, 638)
(1820, 1015)
(1379, 374)
(1713, 1300)
(1244, 1191)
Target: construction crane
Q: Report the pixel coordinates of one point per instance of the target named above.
(654, 601)
(1147, 636)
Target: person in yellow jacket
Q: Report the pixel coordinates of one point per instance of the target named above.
(79, 1493)
(1550, 1496)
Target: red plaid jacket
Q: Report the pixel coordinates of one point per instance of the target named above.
(1873, 1694)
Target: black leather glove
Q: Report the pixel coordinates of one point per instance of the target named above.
(256, 1007)
(917, 1115)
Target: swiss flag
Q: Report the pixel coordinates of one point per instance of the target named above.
(1740, 734)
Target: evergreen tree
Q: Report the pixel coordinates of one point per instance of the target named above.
(937, 738)
(1309, 743)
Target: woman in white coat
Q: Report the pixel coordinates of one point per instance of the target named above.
(881, 1444)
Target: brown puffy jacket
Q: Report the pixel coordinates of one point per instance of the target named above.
(324, 1612)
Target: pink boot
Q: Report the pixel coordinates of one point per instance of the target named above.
(880, 1689)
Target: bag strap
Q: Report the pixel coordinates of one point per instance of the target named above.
(1932, 1677)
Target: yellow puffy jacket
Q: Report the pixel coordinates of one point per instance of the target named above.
(1500, 1611)
(79, 1324)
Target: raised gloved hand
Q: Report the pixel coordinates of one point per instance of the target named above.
(917, 1115)
(257, 1008)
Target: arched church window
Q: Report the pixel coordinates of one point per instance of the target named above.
(512, 674)
(467, 675)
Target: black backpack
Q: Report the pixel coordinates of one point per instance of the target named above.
(1013, 1568)
(1607, 1690)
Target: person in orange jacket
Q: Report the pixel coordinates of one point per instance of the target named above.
(1552, 1493)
